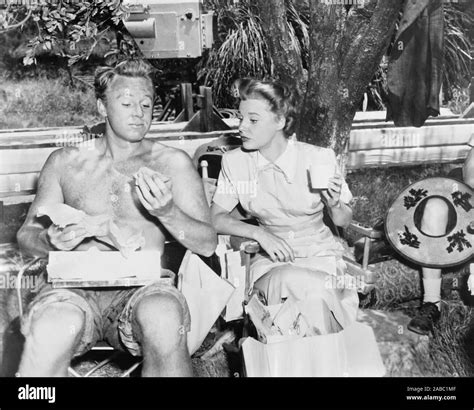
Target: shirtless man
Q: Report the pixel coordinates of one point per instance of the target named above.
(150, 321)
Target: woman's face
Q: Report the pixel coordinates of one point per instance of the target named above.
(258, 124)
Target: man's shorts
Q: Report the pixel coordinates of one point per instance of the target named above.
(109, 312)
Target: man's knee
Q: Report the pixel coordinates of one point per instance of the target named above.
(161, 319)
(57, 323)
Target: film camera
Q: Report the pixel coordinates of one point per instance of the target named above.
(169, 29)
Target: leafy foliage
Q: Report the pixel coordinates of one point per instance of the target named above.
(457, 73)
(71, 29)
(241, 50)
(46, 102)
(457, 51)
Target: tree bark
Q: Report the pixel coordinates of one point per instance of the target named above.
(346, 46)
(287, 64)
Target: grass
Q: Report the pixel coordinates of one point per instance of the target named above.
(374, 189)
(45, 103)
(451, 349)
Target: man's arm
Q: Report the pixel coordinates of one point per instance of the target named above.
(32, 237)
(182, 207)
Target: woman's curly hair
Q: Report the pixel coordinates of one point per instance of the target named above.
(282, 100)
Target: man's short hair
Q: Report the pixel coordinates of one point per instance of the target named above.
(129, 68)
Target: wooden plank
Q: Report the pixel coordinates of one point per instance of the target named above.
(127, 282)
(19, 168)
(362, 120)
(17, 199)
(428, 123)
(70, 135)
(23, 161)
(364, 116)
(206, 110)
(155, 128)
(13, 141)
(406, 156)
(410, 137)
(187, 100)
(18, 184)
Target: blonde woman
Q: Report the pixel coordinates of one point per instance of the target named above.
(299, 257)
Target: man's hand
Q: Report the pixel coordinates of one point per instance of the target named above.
(333, 194)
(65, 239)
(277, 248)
(154, 191)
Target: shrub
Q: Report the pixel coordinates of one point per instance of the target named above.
(46, 103)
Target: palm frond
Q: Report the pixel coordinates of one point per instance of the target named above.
(241, 49)
(457, 47)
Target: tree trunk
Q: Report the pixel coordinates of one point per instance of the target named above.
(346, 46)
(287, 64)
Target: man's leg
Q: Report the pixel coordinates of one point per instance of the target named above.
(54, 333)
(163, 337)
(434, 222)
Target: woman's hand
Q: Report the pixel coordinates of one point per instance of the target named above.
(65, 239)
(154, 192)
(333, 194)
(277, 248)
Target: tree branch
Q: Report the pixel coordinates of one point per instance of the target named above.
(367, 49)
(15, 26)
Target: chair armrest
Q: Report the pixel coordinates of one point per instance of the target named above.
(251, 247)
(365, 278)
(19, 279)
(365, 230)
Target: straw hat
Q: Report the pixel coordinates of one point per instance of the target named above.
(403, 223)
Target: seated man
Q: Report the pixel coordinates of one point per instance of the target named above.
(434, 222)
(150, 321)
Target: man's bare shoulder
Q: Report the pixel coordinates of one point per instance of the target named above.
(68, 158)
(58, 158)
(66, 154)
(170, 158)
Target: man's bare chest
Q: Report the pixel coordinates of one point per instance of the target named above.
(105, 188)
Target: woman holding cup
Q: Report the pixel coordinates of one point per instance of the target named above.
(293, 182)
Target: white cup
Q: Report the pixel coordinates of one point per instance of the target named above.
(320, 174)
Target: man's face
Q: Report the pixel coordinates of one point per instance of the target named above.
(258, 124)
(128, 107)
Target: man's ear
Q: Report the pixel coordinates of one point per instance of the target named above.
(101, 108)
